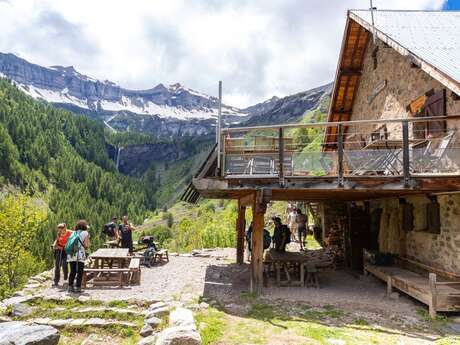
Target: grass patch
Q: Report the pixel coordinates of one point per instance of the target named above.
(425, 316)
(212, 324)
(261, 311)
(75, 335)
(452, 340)
(67, 303)
(248, 296)
(360, 322)
(118, 304)
(70, 314)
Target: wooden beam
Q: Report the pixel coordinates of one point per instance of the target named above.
(350, 71)
(240, 229)
(247, 200)
(257, 266)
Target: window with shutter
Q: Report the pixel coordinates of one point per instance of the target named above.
(433, 214)
(435, 106)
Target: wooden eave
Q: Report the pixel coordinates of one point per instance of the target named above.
(347, 78)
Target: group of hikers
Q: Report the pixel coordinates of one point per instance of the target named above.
(282, 233)
(71, 248)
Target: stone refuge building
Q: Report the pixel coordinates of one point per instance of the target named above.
(384, 170)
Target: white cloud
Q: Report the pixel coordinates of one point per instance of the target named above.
(259, 48)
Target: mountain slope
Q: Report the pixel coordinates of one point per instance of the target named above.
(161, 106)
(288, 109)
(62, 159)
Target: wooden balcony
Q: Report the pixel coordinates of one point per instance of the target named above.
(362, 160)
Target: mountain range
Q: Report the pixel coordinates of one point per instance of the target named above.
(166, 111)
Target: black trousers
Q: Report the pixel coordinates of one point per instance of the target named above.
(127, 243)
(60, 260)
(76, 270)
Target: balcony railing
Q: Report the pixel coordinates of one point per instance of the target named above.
(379, 148)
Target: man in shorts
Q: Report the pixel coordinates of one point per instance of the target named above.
(301, 220)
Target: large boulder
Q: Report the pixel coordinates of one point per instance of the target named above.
(179, 336)
(21, 333)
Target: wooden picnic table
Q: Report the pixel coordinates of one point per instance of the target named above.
(284, 261)
(110, 256)
(111, 266)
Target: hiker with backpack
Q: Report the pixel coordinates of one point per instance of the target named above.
(266, 241)
(60, 256)
(281, 235)
(111, 230)
(126, 234)
(76, 247)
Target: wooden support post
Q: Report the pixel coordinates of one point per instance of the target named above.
(340, 155)
(406, 163)
(433, 296)
(281, 156)
(257, 265)
(240, 229)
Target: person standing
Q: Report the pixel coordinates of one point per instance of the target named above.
(126, 234)
(80, 243)
(60, 256)
(280, 235)
(291, 220)
(301, 220)
(110, 229)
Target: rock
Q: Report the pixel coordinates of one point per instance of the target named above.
(237, 309)
(182, 317)
(77, 322)
(188, 297)
(17, 299)
(179, 336)
(21, 333)
(153, 321)
(394, 295)
(32, 286)
(146, 330)
(21, 310)
(60, 323)
(42, 321)
(83, 298)
(204, 305)
(150, 340)
(156, 305)
(157, 312)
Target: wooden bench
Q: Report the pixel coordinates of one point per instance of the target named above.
(161, 256)
(437, 289)
(102, 276)
(135, 271)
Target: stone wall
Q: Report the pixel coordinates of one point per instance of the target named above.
(437, 250)
(404, 84)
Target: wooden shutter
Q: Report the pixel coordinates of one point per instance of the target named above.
(433, 220)
(407, 217)
(436, 106)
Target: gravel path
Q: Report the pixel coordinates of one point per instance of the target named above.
(183, 277)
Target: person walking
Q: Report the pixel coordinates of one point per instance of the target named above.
(79, 241)
(110, 229)
(60, 256)
(126, 234)
(291, 220)
(281, 235)
(301, 221)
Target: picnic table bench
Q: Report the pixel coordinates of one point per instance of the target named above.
(112, 266)
(420, 282)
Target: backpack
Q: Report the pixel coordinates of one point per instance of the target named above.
(72, 247)
(267, 239)
(109, 229)
(287, 233)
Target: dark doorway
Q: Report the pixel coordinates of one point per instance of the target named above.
(357, 236)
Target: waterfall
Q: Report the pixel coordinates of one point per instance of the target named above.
(118, 158)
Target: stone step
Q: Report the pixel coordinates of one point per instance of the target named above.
(94, 322)
(104, 309)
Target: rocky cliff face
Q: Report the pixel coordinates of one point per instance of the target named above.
(289, 109)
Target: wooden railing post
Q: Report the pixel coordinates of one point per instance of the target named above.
(406, 163)
(281, 156)
(240, 228)
(340, 154)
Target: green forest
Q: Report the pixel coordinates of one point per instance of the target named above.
(59, 160)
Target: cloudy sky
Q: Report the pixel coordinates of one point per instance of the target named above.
(258, 48)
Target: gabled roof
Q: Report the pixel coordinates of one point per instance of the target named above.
(430, 39)
(432, 36)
